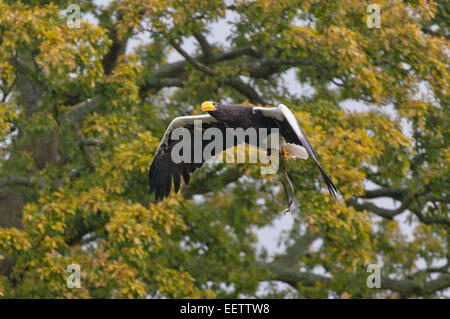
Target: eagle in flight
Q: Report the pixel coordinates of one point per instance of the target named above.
(293, 142)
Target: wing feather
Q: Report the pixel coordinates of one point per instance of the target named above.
(291, 131)
(163, 170)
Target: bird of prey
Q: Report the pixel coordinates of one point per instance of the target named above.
(293, 142)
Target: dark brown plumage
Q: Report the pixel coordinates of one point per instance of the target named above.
(163, 171)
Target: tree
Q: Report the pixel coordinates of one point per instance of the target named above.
(82, 113)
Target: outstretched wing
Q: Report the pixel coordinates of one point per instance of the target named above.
(291, 131)
(164, 169)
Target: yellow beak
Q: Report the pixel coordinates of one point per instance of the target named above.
(207, 106)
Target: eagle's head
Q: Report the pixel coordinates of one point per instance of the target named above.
(232, 113)
(218, 111)
(210, 106)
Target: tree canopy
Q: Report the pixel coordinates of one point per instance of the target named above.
(82, 111)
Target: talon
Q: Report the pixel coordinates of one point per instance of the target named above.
(285, 153)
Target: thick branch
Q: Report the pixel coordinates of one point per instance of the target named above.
(198, 65)
(92, 142)
(174, 70)
(298, 249)
(408, 287)
(430, 220)
(210, 182)
(245, 89)
(77, 113)
(383, 212)
(173, 74)
(268, 66)
(160, 83)
(235, 82)
(294, 277)
(397, 194)
(415, 287)
(85, 151)
(15, 180)
(118, 47)
(206, 48)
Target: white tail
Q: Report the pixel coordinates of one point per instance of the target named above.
(296, 151)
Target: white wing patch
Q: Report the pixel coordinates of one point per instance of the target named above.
(291, 119)
(280, 113)
(188, 120)
(184, 121)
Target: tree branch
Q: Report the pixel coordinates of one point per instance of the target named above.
(200, 186)
(15, 180)
(416, 287)
(408, 287)
(430, 220)
(383, 212)
(397, 194)
(234, 82)
(85, 151)
(118, 47)
(198, 65)
(206, 47)
(294, 277)
(78, 112)
(267, 66)
(245, 89)
(24, 181)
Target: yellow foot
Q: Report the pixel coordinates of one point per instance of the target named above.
(285, 153)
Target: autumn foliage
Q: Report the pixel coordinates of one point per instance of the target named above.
(82, 111)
